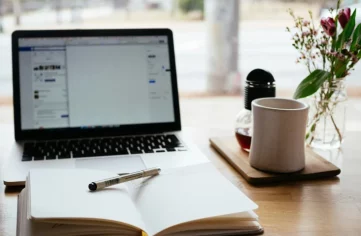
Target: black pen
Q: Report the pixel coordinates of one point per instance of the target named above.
(93, 186)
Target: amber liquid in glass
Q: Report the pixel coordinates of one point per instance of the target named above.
(243, 139)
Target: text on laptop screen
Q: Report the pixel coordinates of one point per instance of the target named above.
(94, 81)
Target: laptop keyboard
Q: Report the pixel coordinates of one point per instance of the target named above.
(78, 148)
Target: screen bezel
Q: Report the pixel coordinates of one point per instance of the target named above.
(67, 133)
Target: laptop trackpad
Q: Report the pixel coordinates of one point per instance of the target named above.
(116, 164)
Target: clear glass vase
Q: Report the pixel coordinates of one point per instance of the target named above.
(327, 116)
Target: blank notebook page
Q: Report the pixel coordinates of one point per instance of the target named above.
(184, 194)
(65, 194)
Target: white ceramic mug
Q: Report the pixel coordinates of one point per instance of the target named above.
(278, 139)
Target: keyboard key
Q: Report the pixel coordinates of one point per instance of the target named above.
(93, 152)
(38, 158)
(27, 158)
(79, 153)
(123, 152)
(119, 151)
(159, 150)
(76, 148)
(51, 157)
(136, 151)
(148, 149)
(63, 155)
(172, 139)
(29, 149)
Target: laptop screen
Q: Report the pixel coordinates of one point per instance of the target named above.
(92, 82)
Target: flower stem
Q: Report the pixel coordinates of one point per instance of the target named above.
(322, 106)
(337, 129)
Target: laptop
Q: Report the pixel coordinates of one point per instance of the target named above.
(98, 99)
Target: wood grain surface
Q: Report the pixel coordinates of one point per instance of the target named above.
(316, 166)
(317, 207)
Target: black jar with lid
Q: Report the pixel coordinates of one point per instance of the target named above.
(259, 84)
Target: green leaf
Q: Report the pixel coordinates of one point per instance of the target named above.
(311, 83)
(356, 38)
(347, 31)
(340, 68)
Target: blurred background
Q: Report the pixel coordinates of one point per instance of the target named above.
(217, 42)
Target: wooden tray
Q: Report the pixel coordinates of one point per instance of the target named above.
(316, 166)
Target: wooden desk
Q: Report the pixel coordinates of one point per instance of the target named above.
(322, 207)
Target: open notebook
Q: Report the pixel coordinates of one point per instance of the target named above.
(195, 200)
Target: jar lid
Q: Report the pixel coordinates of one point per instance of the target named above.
(260, 76)
(259, 84)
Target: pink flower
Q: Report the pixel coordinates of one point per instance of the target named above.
(306, 23)
(305, 34)
(328, 25)
(344, 16)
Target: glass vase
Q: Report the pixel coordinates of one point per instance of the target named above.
(327, 116)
